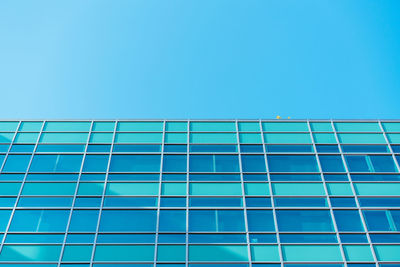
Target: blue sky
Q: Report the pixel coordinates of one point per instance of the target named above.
(200, 59)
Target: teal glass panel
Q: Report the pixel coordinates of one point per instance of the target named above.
(361, 138)
(215, 126)
(171, 252)
(30, 126)
(175, 138)
(387, 252)
(84, 221)
(174, 163)
(31, 253)
(103, 126)
(95, 163)
(8, 126)
(256, 189)
(16, 163)
(128, 221)
(394, 138)
(292, 163)
(339, 189)
(140, 126)
(39, 221)
(6, 137)
(135, 163)
(304, 221)
(176, 126)
(357, 127)
(264, 253)
(67, 126)
(215, 189)
(322, 253)
(138, 138)
(213, 163)
(124, 253)
(99, 138)
(213, 138)
(23, 138)
(218, 253)
(249, 126)
(391, 126)
(287, 138)
(370, 163)
(358, 253)
(48, 189)
(377, 189)
(173, 189)
(132, 189)
(324, 138)
(321, 126)
(285, 127)
(90, 189)
(63, 138)
(250, 138)
(4, 218)
(298, 189)
(56, 163)
(9, 189)
(77, 253)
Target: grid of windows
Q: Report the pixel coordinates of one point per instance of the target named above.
(200, 193)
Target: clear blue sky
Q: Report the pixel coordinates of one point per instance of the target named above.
(200, 59)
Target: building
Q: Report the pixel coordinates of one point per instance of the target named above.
(244, 193)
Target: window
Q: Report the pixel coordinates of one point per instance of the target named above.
(348, 220)
(253, 163)
(172, 221)
(260, 220)
(16, 163)
(304, 220)
(370, 163)
(216, 220)
(382, 220)
(214, 163)
(84, 221)
(95, 163)
(292, 163)
(56, 163)
(218, 253)
(331, 163)
(128, 220)
(135, 163)
(39, 221)
(174, 163)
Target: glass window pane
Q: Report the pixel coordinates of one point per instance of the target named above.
(64, 137)
(138, 138)
(175, 138)
(287, 138)
(8, 126)
(292, 163)
(358, 253)
(135, 163)
(6, 137)
(217, 189)
(264, 253)
(260, 220)
(174, 163)
(285, 127)
(213, 138)
(176, 126)
(218, 253)
(300, 202)
(60, 148)
(377, 189)
(56, 163)
(132, 189)
(298, 189)
(101, 138)
(103, 126)
(39, 221)
(289, 148)
(365, 148)
(304, 220)
(172, 221)
(394, 138)
(250, 138)
(34, 253)
(30, 126)
(47, 189)
(214, 163)
(140, 126)
(357, 127)
(198, 126)
(84, 221)
(110, 253)
(95, 163)
(324, 253)
(253, 163)
(26, 138)
(128, 220)
(256, 189)
(387, 252)
(171, 253)
(361, 138)
(308, 238)
(339, 189)
(216, 220)
(331, 163)
(9, 189)
(67, 126)
(173, 189)
(77, 253)
(324, 138)
(213, 148)
(327, 148)
(249, 126)
(16, 163)
(321, 126)
(348, 220)
(370, 163)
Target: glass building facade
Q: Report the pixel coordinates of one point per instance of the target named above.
(238, 193)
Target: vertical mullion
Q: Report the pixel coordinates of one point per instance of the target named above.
(74, 197)
(159, 195)
(327, 195)
(271, 195)
(187, 193)
(354, 194)
(243, 195)
(103, 195)
(22, 183)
